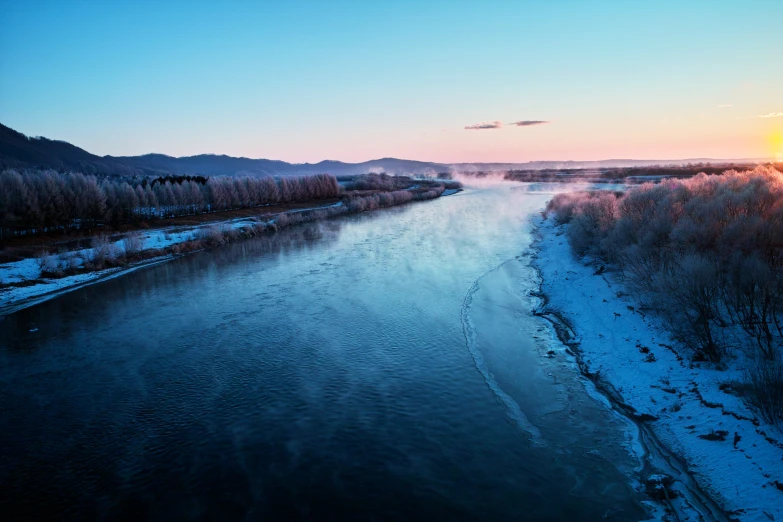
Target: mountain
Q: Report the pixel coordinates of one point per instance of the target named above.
(205, 164)
(214, 165)
(20, 151)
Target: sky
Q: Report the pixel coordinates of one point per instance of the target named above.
(426, 80)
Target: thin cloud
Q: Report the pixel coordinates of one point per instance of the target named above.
(725, 105)
(499, 124)
(771, 115)
(528, 123)
(485, 125)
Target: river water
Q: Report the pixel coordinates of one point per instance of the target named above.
(381, 366)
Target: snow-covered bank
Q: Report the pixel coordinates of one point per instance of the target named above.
(26, 286)
(735, 457)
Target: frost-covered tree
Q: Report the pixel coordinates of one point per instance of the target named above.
(35, 201)
(706, 252)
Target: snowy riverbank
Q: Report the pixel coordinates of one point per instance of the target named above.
(735, 457)
(26, 286)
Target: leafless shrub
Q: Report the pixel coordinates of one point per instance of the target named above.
(72, 263)
(282, 220)
(133, 244)
(380, 181)
(590, 221)
(318, 215)
(388, 199)
(211, 235)
(561, 207)
(765, 377)
(48, 264)
(103, 251)
(689, 297)
(229, 233)
(704, 252)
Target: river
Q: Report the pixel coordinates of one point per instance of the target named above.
(380, 366)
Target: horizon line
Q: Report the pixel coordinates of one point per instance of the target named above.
(664, 160)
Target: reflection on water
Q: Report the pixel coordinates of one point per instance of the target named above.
(115, 294)
(322, 372)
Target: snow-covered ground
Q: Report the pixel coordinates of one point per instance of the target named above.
(34, 288)
(734, 456)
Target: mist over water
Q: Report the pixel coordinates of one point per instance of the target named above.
(384, 365)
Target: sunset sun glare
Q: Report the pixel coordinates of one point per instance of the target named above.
(776, 144)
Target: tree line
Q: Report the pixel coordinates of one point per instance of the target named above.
(383, 181)
(34, 201)
(174, 178)
(105, 253)
(628, 175)
(706, 253)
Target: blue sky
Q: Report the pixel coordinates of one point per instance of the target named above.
(306, 81)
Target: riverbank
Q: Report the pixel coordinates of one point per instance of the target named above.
(689, 407)
(28, 281)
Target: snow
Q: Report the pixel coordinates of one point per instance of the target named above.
(18, 271)
(740, 472)
(338, 204)
(11, 297)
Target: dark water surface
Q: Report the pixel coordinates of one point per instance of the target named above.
(383, 366)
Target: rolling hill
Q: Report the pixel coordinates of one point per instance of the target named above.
(20, 151)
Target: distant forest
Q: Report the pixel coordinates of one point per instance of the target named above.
(627, 175)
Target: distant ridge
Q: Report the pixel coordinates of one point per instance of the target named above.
(20, 151)
(221, 165)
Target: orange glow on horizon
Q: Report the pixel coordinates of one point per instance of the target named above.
(776, 144)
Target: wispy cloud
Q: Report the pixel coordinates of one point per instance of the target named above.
(499, 124)
(725, 105)
(484, 125)
(528, 123)
(771, 115)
